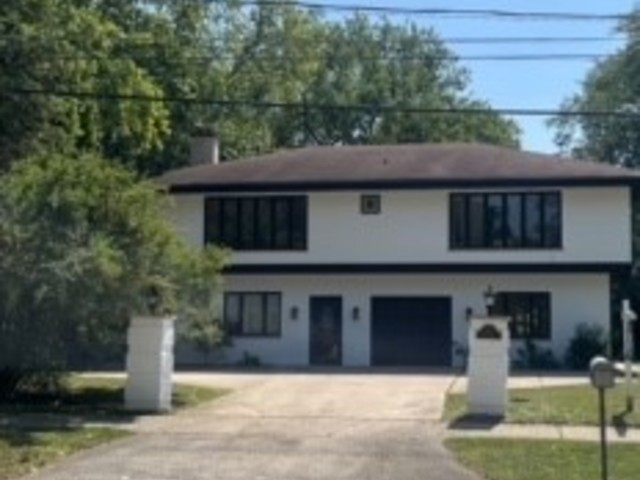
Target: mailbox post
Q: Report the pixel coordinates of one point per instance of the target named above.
(602, 375)
(628, 317)
(488, 366)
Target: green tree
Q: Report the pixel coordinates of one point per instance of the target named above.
(611, 85)
(84, 246)
(198, 49)
(69, 46)
(367, 63)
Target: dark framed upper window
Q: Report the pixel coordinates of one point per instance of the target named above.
(253, 314)
(257, 222)
(370, 204)
(530, 313)
(505, 220)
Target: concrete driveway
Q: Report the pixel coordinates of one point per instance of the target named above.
(296, 426)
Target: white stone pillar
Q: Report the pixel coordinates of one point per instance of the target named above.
(150, 364)
(488, 367)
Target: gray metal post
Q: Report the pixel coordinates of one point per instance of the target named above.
(628, 317)
(603, 434)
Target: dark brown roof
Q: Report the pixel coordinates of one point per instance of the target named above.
(394, 166)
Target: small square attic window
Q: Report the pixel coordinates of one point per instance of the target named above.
(370, 204)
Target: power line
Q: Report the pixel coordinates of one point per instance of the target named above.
(443, 12)
(485, 40)
(532, 57)
(384, 108)
(482, 40)
(374, 59)
(334, 56)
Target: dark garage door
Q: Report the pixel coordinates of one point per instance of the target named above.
(408, 331)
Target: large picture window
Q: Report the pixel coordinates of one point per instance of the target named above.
(257, 223)
(505, 220)
(256, 314)
(530, 313)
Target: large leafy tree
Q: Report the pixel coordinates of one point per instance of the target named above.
(378, 64)
(285, 55)
(84, 246)
(198, 49)
(611, 85)
(60, 45)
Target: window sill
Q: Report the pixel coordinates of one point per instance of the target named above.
(268, 250)
(258, 250)
(506, 249)
(523, 339)
(255, 335)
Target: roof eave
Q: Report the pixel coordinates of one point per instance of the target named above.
(408, 184)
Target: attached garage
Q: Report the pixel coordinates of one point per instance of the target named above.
(411, 331)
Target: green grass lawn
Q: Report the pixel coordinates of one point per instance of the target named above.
(25, 451)
(570, 405)
(97, 396)
(502, 459)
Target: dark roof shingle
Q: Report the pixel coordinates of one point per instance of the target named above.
(394, 166)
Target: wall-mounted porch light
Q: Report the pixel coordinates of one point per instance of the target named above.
(293, 313)
(355, 313)
(489, 299)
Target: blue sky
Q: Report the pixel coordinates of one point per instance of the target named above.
(522, 84)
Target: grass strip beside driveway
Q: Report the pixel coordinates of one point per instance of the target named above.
(100, 396)
(566, 405)
(25, 448)
(23, 451)
(502, 459)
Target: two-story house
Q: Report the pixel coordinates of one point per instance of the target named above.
(377, 255)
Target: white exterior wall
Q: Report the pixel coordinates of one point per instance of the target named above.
(574, 299)
(414, 228)
(187, 215)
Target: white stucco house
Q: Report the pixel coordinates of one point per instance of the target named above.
(377, 255)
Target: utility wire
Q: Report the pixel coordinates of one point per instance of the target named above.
(137, 42)
(334, 56)
(384, 108)
(479, 13)
(485, 40)
(443, 13)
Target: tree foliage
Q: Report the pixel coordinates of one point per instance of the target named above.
(68, 46)
(84, 246)
(611, 85)
(221, 50)
(377, 64)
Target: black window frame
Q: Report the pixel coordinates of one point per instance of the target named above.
(223, 228)
(461, 236)
(264, 333)
(370, 204)
(520, 307)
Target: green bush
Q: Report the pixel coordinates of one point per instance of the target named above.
(250, 360)
(532, 356)
(587, 342)
(85, 245)
(10, 379)
(16, 381)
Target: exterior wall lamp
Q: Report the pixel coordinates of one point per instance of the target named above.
(293, 313)
(489, 299)
(355, 313)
